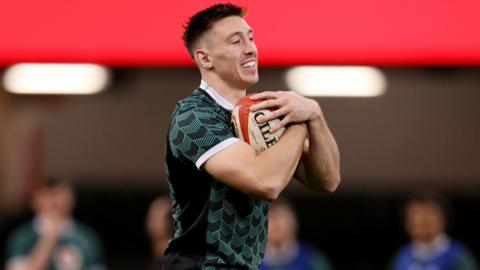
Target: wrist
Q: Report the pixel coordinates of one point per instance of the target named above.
(299, 127)
(316, 111)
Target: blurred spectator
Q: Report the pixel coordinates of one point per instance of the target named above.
(159, 225)
(425, 216)
(53, 240)
(284, 250)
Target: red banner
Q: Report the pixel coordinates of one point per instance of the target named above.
(147, 32)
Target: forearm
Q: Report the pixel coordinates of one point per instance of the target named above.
(40, 255)
(321, 164)
(274, 167)
(262, 176)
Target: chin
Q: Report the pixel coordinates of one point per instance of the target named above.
(251, 80)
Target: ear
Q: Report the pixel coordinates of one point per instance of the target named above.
(203, 59)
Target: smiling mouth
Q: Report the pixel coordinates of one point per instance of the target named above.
(250, 65)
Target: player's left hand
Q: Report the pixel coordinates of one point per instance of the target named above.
(293, 107)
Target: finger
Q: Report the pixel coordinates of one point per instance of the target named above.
(280, 124)
(306, 146)
(273, 115)
(270, 103)
(265, 95)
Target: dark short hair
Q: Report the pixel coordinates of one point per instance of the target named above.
(203, 20)
(52, 182)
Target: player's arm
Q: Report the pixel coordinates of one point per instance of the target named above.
(264, 175)
(37, 259)
(39, 256)
(319, 167)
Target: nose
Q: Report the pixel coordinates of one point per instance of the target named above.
(249, 48)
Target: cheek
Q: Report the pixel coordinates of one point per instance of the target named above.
(435, 223)
(415, 223)
(227, 57)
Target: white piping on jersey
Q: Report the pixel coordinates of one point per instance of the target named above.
(216, 96)
(212, 151)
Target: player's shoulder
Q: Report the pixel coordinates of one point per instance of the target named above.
(404, 252)
(23, 230)
(458, 246)
(22, 234)
(198, 101)
(84, 229)
(198, 109)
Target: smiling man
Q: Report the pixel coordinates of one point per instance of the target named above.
(220, 189)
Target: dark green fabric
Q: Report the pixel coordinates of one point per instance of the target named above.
(233, 225)
(79, 240)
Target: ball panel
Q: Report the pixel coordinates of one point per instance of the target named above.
(260, 135)
(236, 123)
(244, 113)
(249, 130)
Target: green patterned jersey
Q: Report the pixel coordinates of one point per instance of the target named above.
(78, 247)
(224, 226)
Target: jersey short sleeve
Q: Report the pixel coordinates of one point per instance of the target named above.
(465, 259)
(91, 247)
(197, 133)
(20, 243)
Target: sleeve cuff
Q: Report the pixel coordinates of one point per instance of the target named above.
(212, 151)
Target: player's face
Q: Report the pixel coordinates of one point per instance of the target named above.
(281, 225)
(424, 221)
(233, 52)
(58, 201)
(63, 200)
(158, 221)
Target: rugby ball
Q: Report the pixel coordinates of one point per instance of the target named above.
(250, 130)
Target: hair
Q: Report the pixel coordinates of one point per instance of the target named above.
(203, 20)
(54, 182)
(50, 183)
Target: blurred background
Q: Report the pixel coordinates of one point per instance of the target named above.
(399, 84)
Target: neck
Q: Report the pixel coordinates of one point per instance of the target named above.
(432, 249)
(227, 91)
(433, 239)
(282, 252)
(282, 245)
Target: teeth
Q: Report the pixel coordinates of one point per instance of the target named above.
(249, 64)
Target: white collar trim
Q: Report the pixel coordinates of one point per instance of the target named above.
(433, 249)
(38, 224)
(216, 96)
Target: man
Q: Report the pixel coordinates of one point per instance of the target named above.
(284, 250)
(220, 189)
(430, 247)
(159, 227)
(54, 240)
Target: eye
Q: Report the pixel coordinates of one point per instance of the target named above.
(251, 38)
(236, 41)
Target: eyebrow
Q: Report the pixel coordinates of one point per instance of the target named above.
(250, 31)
